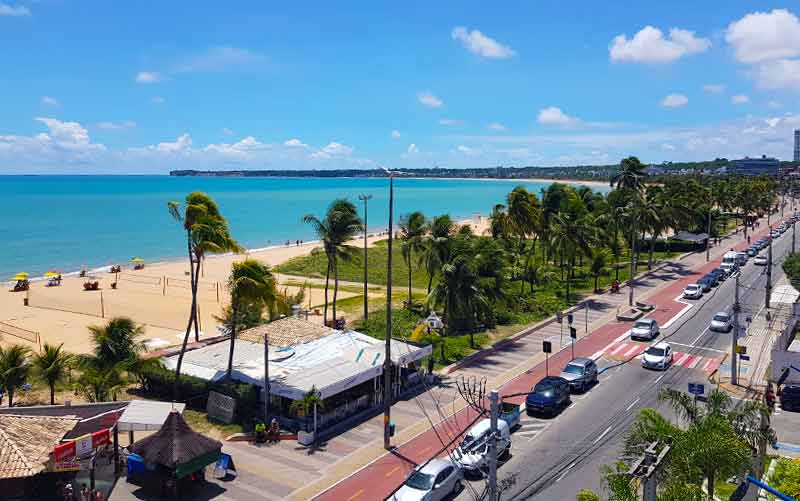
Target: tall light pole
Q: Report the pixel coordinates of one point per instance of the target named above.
(365, 199)
(387, 362)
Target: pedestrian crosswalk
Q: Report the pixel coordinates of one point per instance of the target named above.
(530, 427)
(629, 350)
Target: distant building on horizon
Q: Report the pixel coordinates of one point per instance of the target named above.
(755, 166)
(797, 145)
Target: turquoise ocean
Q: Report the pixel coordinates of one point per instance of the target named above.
(65, 222)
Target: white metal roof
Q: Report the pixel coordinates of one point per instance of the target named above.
(146, 415)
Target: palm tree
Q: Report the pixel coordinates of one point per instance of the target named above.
(310, 402)
(412, 228)
(598, 266)
(459, 295)
(207, 232)
(52, 365)
(437, 246)
(118, 341)
(15, 367)
(250, 282)
(631, 175)
(571, 234)
(340, 224)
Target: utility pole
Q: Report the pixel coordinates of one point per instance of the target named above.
(708, 232)
(365, 199)
(647, 466)
(633, 265)
(768, 290)
(387, 363)
(794, 231)
(493, 399)
(735, 333)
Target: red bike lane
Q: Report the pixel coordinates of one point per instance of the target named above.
(381, 477)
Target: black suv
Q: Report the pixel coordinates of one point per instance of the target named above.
(548, 396)
(790, 397)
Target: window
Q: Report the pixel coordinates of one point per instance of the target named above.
(420, 481)
(656, 352)
(573, 369)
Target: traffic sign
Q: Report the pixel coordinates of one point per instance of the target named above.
(547, 347)
(573, 333)
(741, 349)
(570, 318)
(559, 317)
(744, 357)
(697, 388)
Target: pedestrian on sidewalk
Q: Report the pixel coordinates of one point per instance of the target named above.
(769, 396)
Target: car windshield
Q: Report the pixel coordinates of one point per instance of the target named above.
(420, 481)
(573, 369)
(721, 317)
(657, 352)
(642, 325)
(544, 387)
(691, 287)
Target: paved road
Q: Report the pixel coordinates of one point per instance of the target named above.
(554, 459)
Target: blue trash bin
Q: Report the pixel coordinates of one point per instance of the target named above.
(391, 428)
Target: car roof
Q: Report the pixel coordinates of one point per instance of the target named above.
(722, 313)
(662, 344)
(580, 361)
(552, 379)
(434, 466)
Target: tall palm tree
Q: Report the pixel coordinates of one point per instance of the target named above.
(597, 267)
(207, 232)
(250, 282)
(571, 234)
(52, 365)
(459, 295)
(437, 245)
(412, 228)
(631, 175)
(340, 224)
(15, 367)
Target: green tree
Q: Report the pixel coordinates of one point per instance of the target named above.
(631, 175)
(52, 365)
(207, 232)
(437, 246)
(250, 282)
(459, 296)
(307, 404)
(412, 230)
(572, 234)
(597, 267)
(15, 367)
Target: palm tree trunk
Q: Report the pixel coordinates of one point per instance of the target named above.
(10, 397)
(595, 282)
(335, 286)
(196, 306)
(234, 320)
(52, 394)
(710, 486)
(327, 281)
(652, 249)
(408, 262)
(192, 319)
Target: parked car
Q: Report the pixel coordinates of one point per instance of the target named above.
(729, 268)
(658, 356)
(760, 261)
(580, 373)
(720, 273)
(752, 251)
(693, 291)
(741, 258)
(705, 283)
(721, 322)
(434, 480)
(713, 277)
(473, 453)
(548, 396)
(645, 328)
(790, 397)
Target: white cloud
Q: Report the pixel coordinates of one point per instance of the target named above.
(128, 124)
(740, 99)
(332, 150)
(242, 150)
(157, 100)
(217, 59)
(765, 36)
(428, 99)
(554, 116)
(10, 10)
(714, 88)
(496, 126)
(49, 101)
(228, 132)
(295, 143)
(674, 101)
(480, 44)
(781, 74)
(147, 77)
(773, 104)
(667, 147)
(181, 145)
(447, 122)
(68, 132)
(412, 149)
(466, 150)
(650, 46)
(395, 134)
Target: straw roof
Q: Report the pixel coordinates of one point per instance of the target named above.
(27, 441)
(287, 331)
(174, 444)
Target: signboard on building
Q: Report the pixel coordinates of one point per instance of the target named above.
(221, 407)
(68, 456)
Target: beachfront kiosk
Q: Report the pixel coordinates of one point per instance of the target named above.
(343, 367)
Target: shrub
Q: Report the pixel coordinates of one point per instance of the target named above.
(786, 477)
(158, 380)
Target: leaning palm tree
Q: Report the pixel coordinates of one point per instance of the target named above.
(15, 367)
(631, 174)
(52, 365)
(250, 282)
(437, 245)
(459, 295)
(207, 232)
(572, 234)
(412, 228)
(597, 267)
(340, 224)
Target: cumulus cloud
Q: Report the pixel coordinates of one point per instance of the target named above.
(740, 99)
(496, 126)
(228, 132)
(181, 145)
(49, 101)
(218, 59)
(674, 101)
(667, 147)
(466, 150)
(480, 44)
(127, 124)
(412, 149)
(781, 74)
(10, 10)
(430, 100)
(650, 46)
(395, 134)
(554, 116)
(295, 143)
(714, 88)
(147, 77)
(332, 150)
(764, 36)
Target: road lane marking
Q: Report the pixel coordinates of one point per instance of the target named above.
(696, 361)
(601, 435)
(392, 471)
(629, 407)
(680, 360)
(701, 335)
(659, 378)
(565, 473)
(618, 348)
(697, 347)
(631, 351)
(358, 493)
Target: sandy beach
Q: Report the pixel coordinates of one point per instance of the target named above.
(157, 296)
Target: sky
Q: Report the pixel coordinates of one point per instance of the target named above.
(143, 87)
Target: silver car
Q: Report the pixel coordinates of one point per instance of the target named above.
(431, 481)
(721, 322)
(645, 328)
(580, 373)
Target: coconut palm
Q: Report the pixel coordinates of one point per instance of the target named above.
(207, 232)
(412, 229)
(118, 341)
(597, 267)
(437, 245)
(15, 367)
(52, 365)
(250, 282)
(459, 295)
(631, 175)
(571, 235)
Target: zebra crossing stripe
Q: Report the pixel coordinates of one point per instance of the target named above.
(618, 348)
(631, 351)
(682, 359)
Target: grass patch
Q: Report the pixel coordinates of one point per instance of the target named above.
(200, 422)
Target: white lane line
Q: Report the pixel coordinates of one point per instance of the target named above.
(602, 435)
(697, 347)
(680, 313)
(629, 407)
(631, 351)
(701, 335)
(705, 366)
(618, 348)
(682, 359)
(696, 361)
(659, 378)
(560, 477)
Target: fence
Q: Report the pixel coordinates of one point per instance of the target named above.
(169, 286)
(19, 332)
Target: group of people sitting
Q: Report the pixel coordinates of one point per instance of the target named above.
(21, 285)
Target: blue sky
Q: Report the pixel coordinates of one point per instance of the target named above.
(145, 87)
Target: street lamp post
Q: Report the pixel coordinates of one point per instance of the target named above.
(365, 198)
(387, 362)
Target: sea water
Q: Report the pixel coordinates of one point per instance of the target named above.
(66, 222)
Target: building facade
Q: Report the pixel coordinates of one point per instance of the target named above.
(755, 166)
(797, 145)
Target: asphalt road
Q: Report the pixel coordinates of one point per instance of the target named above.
(552, 459)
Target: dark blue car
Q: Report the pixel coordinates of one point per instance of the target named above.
(548, 396)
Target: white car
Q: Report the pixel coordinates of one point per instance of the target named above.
(721, 322)
(645, 328)
(431, 481)
(760, 261)
(693, 291)
(658, 356)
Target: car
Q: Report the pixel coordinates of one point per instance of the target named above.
(720, 273)
(729, 268)
(473, 453)
(721, 322)
(434, 480)
(714, 278)
(705, 283)
(752, 251)
(645, 328)
(790, 397)
(693, 291)
(741, 258)
(580, 373)
(760, 261)
(774, 233)
(548, 396)
(658, 356)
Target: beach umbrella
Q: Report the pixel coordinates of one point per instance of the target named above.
(51, 273)
(137, 260)
(22, 275)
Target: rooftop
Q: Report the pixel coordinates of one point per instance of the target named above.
(27, 441)
(286, 331)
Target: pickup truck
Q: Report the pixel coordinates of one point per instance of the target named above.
(510, 413)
